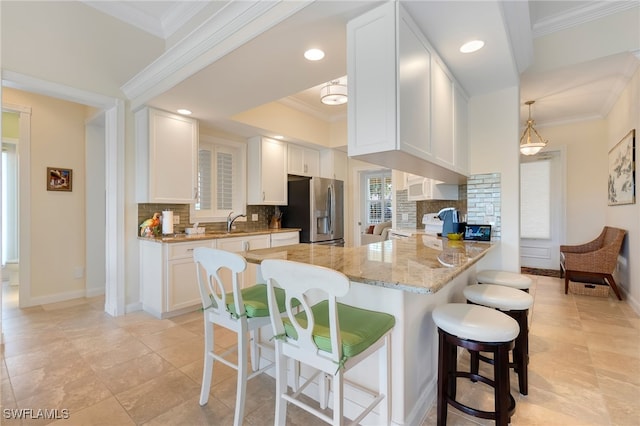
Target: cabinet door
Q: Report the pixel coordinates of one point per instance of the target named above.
(414, 71)
(442, 144)
(172, 157)
(303, 161)
(333, 164)
(371, 69)
(267, 172)
(182, 288)
(460, 121)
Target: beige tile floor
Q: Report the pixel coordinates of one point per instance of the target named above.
(584, 370)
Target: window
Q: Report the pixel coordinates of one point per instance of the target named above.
(535, 199)
(377, 197)
(221, 181)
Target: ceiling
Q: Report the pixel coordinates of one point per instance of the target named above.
(270, 67)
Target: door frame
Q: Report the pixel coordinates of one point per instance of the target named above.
(114, 110)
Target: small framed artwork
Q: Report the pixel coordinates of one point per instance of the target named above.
(622, 171)
(59, 179)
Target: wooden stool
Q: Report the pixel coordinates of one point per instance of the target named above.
(516, 304)
(479, 329)
(504, 278)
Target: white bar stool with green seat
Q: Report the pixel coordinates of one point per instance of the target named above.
(504, 278)
(328, 336)
(243, 311)
(516, 304)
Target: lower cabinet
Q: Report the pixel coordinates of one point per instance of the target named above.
(168, 278)
(239, 244)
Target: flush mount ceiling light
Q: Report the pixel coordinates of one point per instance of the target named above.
(184, 111)
(333, 93)
(527, 146)
(314, 54)
(472, 46)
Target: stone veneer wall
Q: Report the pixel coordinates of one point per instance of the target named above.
(484, 202)
(145, 211)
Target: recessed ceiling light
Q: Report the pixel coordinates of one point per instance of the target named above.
(472, 46)
(184, 111)
(314, 54)
(278, 137)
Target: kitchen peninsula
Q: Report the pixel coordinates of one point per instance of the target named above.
(407, 278)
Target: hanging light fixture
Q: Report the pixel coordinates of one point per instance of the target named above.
(527, 146)
(333, 93)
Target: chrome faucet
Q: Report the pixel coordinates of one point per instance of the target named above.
(231, 219)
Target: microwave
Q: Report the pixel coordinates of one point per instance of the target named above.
(422, 188)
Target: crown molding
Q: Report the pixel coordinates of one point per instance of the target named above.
(180, 14)
(304, 107)
(580, 15)
(28, 83)
(229, 28)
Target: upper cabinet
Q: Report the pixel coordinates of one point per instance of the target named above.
(266, 172)
(166, 154)
(402, 103)
(303, 161)
(333, 164)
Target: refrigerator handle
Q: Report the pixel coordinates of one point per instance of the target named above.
(330, 207)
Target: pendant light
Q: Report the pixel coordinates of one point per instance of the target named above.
(527, 146)
(333, 93)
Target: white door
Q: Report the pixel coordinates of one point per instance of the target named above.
(541, 210)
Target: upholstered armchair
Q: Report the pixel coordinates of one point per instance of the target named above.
(595, 260)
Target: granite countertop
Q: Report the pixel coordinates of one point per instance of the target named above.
(418, 264)
(183, 238)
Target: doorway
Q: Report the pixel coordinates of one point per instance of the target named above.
(542, 209)
(113, 111)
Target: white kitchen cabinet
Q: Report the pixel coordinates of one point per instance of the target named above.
(442, 143)
(303, 161)
(240, 244)
(333, 164)
(266, 172)
(166, 157)
(279, 239)
(421, 188)
(392, 109)
(460, 120)
(168, 278)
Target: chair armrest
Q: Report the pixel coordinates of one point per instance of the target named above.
(580, 248)
(598, 261)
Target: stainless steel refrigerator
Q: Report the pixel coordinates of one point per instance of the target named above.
(316, 206)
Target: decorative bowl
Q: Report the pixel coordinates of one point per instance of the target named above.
(455, 236)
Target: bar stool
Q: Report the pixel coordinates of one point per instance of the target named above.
(516, 304)
(504, 278)
(476, 328)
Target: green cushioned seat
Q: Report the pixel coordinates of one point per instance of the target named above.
(359, 328)
(255, 301)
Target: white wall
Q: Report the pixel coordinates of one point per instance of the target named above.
(493, 148)
(624, 116)
(586, 174)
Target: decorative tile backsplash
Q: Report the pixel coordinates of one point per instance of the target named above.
(145, 211)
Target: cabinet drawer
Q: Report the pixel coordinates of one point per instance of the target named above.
(185, 250)
(284, 239)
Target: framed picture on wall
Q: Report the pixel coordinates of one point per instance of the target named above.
(59, 179)
(622, 171)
